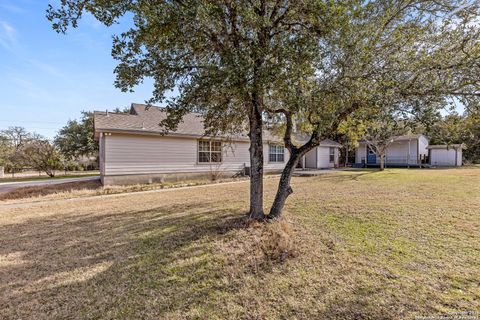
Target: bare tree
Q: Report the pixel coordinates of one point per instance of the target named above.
(16, 136)
(380, 133)
(41, 155)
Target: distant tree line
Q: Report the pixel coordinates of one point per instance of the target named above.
(74, 148)
(459, 128)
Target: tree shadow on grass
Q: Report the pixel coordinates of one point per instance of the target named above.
(344, 177)
(138, 264)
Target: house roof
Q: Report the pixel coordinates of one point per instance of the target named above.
(146, 120)
(405, 137)
(143, 120)
(446, 146)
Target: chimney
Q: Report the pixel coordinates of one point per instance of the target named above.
(106, 112)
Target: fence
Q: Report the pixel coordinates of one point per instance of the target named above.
(30, 173)
(398, 161)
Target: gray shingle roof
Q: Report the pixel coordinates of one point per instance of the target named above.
(146, 120)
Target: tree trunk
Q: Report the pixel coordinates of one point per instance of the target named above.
(256, 165)
(284, 188)
(50, 173)
(382, 162)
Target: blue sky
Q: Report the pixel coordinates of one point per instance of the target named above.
(48, 78)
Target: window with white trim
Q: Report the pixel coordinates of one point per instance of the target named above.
(209, 151)
(332, 154)
(276, 153)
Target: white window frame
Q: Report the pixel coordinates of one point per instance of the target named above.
(331, 155)
(209, 151)
(276, 153)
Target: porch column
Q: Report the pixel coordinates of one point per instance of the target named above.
(366, 155)
(456, 156)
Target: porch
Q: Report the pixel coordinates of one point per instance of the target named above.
(393, 161)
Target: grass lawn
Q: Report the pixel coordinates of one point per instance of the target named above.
(357, 245)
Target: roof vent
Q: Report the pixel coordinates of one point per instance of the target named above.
(143, 125)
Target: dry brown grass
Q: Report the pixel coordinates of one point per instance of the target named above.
(94, 188)
(356, 245)
(40, 191)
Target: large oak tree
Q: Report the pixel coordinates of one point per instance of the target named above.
(311, 61)
(75, 139)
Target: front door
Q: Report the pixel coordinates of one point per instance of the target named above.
(371, 156)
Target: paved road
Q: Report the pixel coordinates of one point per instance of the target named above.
(8, 186)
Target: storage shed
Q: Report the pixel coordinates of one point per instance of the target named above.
(445, 155)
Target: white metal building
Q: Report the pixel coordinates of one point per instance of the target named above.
(408, 150)
(445, 155)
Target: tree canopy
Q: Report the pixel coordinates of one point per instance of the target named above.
(459, 129)
(312, 62)
(41, 155)
(76, 138)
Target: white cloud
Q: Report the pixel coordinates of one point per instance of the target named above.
(46, 68)
(11, 7)
(31, 89)
(8, 35)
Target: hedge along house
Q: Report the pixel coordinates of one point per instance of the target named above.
(403, 151)
(134, 149)
(445, 155)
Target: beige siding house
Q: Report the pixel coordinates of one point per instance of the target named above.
(133, 149)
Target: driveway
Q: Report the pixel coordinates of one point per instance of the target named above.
(8, 186)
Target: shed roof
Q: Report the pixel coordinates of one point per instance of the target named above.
(446, 146)
(330, 143)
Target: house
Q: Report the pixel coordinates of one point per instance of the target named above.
(445, 155)
(133, 149)
(408, 150)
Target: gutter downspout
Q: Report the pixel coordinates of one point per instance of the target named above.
(418, 152)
